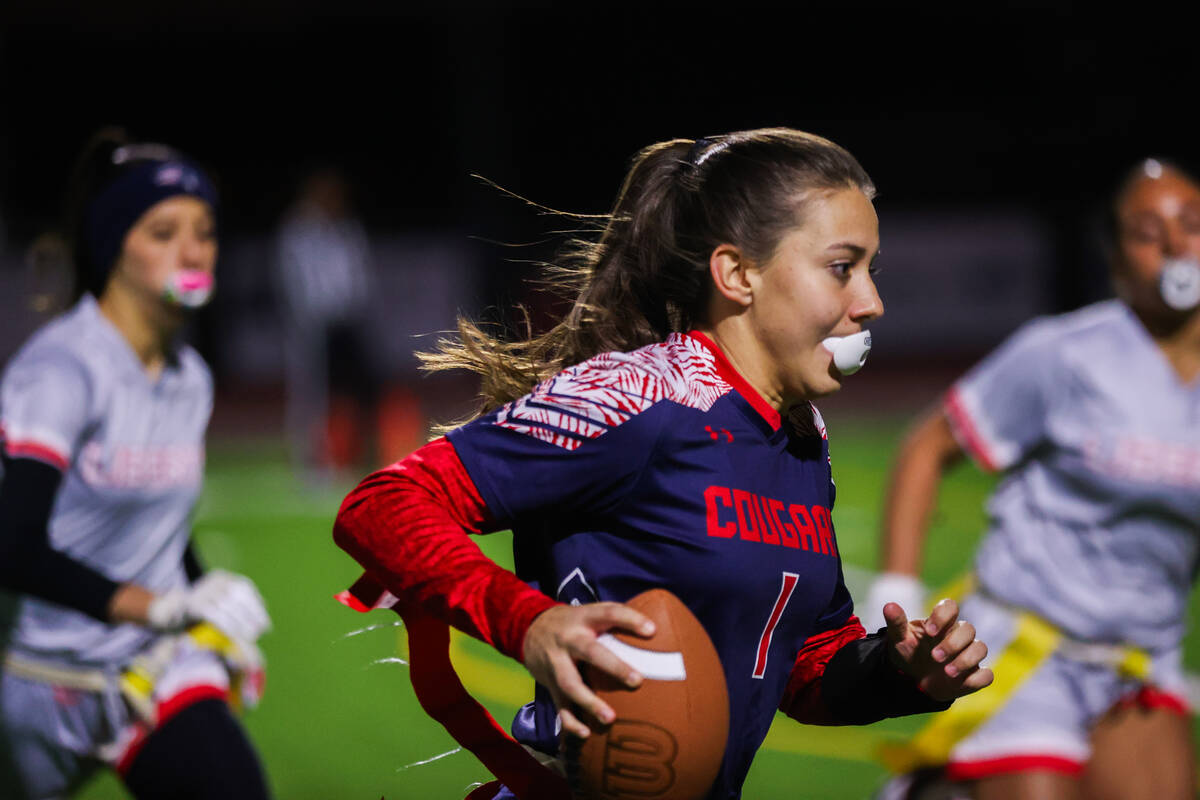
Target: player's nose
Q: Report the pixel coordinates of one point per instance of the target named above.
(867, 304)
(1175, 243)
(195, 252)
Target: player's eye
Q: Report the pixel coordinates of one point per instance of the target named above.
(162, 233)
(841, 269)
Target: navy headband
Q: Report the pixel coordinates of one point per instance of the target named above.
(122, 202)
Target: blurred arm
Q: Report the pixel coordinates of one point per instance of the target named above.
(925, 455)
(29, 565)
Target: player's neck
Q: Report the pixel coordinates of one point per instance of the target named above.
(147, 336)
(744, 351)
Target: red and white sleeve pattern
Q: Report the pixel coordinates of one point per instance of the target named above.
(971, 433)
(587, 400)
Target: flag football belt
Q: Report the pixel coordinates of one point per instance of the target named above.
(77, 678)
(136, 681)
(139, 679)
(100, 682)
(439, 690)
(1034, 640)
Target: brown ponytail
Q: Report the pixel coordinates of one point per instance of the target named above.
(646, 275)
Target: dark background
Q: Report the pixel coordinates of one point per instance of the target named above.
(1033, 107)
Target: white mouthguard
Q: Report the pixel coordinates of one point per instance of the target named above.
(189, 288)
(1179, 283)
(849, 352)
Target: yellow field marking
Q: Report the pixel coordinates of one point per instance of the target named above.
(846, 743)
(498, 679)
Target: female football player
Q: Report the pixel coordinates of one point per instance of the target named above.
(1083, 576)
(117, 650)
(662, 436)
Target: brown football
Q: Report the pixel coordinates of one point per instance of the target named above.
(668, 738)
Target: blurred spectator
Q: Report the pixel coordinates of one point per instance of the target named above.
(325, 281)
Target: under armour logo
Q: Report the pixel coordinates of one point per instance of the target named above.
(714, 435)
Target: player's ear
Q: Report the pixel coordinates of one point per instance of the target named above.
(730, 271)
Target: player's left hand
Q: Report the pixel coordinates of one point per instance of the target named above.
(941, 653)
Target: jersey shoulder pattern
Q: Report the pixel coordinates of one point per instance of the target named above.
(585, 401)
(819, 422)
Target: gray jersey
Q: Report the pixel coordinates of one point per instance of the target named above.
(132, 454)
(1095, 525)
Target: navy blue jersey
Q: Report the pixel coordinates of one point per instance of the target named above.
(663, 468)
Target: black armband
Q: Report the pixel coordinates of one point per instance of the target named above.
(861, 686)
(28, 564)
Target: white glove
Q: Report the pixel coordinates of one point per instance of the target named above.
(230, 602)
(893, 587)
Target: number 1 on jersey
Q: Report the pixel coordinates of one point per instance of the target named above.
(764, 643)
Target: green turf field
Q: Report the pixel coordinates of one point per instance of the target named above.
(339, 720)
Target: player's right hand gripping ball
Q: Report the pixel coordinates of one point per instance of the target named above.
(668, 738)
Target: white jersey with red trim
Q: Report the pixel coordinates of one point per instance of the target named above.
(1096, 524)
(131, 449)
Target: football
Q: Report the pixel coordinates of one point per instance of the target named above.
(668, 738)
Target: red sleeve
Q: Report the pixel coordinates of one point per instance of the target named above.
(409, 526)
(802, 699)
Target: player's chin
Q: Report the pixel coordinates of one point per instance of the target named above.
(813, 381)
(1170, 319)
(825, 384)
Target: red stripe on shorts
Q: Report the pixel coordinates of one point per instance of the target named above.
(974, 770)
(1151, 697)
(189, 696)
(165, 710)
